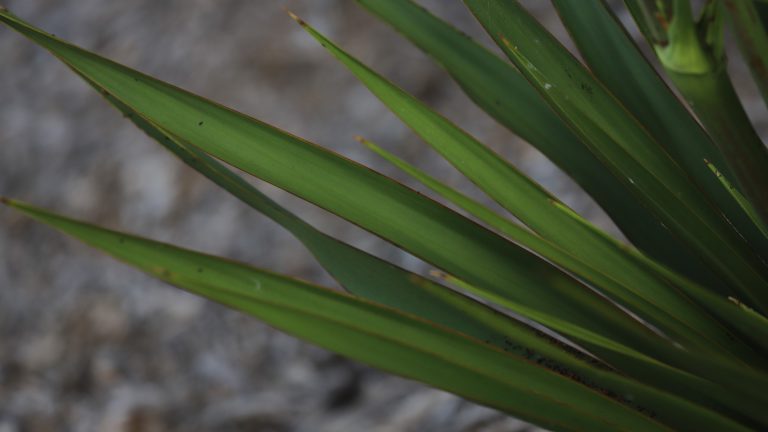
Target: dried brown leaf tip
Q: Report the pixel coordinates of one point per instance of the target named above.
(4, 200)
(3, 8)
(296, 18)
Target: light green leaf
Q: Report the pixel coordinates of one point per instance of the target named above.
(373, 334)
(630, 284)
(376, 203)
(730, 347)
(632, 362)
(501, 91)
(359, 272)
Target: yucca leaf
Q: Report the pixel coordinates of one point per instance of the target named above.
(753, 40)
(693, 55)
(617, 62)
(376, 203)
(369, 277)
(637, 289)
(692, 375)
(762, 12)
(636, 364)
(750, 325)
(302, 309)
(646, 18)
(500, 90)
(621, 142)
(357, 271)
(716, 104)
(365, 331)
(712, 332)
(740, 199)
(408, 292)
(586, 395)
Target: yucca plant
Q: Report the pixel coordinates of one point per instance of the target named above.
(666, 333)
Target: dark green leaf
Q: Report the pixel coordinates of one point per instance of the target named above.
(499, 89)
(373, 334)
(622, 143)
(400, 215)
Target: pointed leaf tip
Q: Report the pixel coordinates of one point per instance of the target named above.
(295, 17)
(367, 143)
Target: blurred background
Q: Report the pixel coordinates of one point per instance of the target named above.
(87, 344)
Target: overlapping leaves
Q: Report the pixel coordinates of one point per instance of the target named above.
(659, 345)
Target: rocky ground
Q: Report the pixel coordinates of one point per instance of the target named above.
(87, 344)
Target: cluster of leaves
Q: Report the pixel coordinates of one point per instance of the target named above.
(668, 333)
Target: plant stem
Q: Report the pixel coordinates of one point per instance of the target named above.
(695, 60)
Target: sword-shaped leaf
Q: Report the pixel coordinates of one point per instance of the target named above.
(617, 62)
(713, 332)
(365, 331)
(501, 91)
(621, 142)
(398, 214)
(637, 288)
(357, 271)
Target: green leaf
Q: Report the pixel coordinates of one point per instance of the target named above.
(747, 323)
(368, 332)
(622, 143)
(501, 91)
(711, 333)
(739, 198)
(694, 57)
(359, 272)
(696, 377)
(638, 365)
(617, 62)
(752, 38)
(425, 228)
(717, 105)
(631, 285)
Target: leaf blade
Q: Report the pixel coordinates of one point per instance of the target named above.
(638, 289)
(499, 89)
(617, 62)
(706, 334)
(622, 143)
(357, 271)
(365, 331)
(402, 216)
